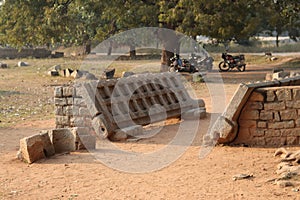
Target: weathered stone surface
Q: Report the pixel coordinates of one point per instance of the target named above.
(288, 114)
(274, 106)
(47, 144)
(31, 148)
(68, 91)
(197, 113)
(83, 138)
(261, 124)
(62, 120)
(58, 92)
(284, 94)
(272, 133)
(63, 140)
(36, 147)
(270, 95)
(276, 116)
(258, 132)
(296, 93)
(130, 131)
(60, 101)
(293, 104)
(266, 115)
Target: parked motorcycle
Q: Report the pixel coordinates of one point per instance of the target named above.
(230, 62)
(201, 63)
(181, 65)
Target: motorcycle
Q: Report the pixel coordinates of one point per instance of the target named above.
(201, 63)
(181, 65)
(230, 62)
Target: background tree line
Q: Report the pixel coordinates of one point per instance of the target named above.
(69, 22)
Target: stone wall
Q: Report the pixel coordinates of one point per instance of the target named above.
(271, 117)
(24, 53)
(70, 108)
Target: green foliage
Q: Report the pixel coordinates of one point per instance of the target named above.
(66, 22)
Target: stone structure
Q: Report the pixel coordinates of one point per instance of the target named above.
(48, 143)
(134, 101)
(262, 113)
(271, 117)
(24, 53)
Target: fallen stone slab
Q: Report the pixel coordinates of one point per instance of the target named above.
(35, 147)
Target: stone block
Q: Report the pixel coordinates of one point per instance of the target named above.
(293, 104)
(47, 144)
(86, 142)
(62, 120)
(277, 117)
(84, 111)
(286, 132)
(261, 124)
(272, 133)
(266, 115)
(70, 101)
(197, 113)
(296, 93)
(288, 114)
(292, 140)
(63, 140)
(36, 147)
(68, 91)
(130, 131)
(58, 92)
(58, 110)
(274, 106)
(83, 138)
(270, 95)
(258, 141)
(68, 110)
(257, 132)
(76, 121)
(276, 125)
(32, 149)
(289, 124)
(60, 101)
(79, 102)
(284, 94)
(274, 141)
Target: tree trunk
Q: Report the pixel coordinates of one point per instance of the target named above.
(171, 45)
(277, 40)
(87, 47)
(132, 52)
(109, 50)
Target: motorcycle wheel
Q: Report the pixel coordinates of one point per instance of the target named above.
(223, 66)
(242, 68)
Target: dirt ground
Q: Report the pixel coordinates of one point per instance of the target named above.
(79, 175)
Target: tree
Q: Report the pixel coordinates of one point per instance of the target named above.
(132, 14)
